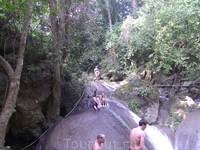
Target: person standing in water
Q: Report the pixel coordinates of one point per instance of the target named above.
(98, 144)
(137, 136)
(97, 72)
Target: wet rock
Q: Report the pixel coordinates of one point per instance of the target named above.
(79, 130)
(142, 98)
(188, 133)
(178, 109)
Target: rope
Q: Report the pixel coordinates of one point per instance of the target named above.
(54, 123)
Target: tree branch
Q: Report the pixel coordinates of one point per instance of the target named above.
(6, 66)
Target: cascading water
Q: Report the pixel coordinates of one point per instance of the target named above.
(156, 139)
(110, 87)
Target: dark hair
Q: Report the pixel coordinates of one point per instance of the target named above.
(142, 122)
(100, 136)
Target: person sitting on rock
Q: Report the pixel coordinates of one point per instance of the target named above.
(97, 72)
(104, 100)
(96, 102)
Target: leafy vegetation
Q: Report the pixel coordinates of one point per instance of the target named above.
(165, 33)
(143, 91)
(177, 120)
(134, 106)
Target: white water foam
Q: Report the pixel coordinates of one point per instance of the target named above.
(110, 87)
(155, 136)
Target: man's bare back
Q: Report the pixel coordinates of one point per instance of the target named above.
(137, 136)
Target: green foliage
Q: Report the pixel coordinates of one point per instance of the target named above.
(32, 68)
(176, 125)
(166, 33)
(143, 91)
(134, 106)
(119, 9)
(176, 28)
(177, 118)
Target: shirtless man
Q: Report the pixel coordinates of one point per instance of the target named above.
(96, 102)
(104, 100)
(98, 144)
(97, 72)
(137, 136)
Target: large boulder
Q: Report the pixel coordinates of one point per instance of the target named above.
(188, 133)
(178, 108)
(79, 130)
(179, 98)
(97, 87)
(182, 101)
(30, 119)
(142, 98)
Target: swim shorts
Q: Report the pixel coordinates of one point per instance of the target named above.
(96, 104)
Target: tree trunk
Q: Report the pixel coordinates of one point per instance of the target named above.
(134, 6)
(63, 26)
(54, 104)
(14, 79)
(109, 13)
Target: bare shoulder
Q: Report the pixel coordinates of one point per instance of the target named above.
(142, 133)
(96, 146)
(134, 129)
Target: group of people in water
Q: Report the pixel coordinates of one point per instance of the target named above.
(137, 135)
(136, 140)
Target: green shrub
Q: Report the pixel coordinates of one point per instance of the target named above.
(177, 118)
(143, 91)
(134, 106)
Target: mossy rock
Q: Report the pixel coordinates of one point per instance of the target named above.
(180, 107)
(142, 98)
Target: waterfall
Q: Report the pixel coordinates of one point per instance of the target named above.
(110, 86)
(155, 137)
